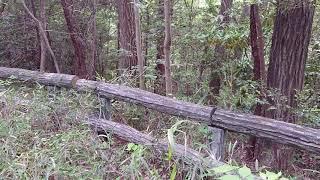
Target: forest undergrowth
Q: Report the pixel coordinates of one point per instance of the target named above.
(44, 135)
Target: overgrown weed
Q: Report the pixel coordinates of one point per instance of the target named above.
(43, 135)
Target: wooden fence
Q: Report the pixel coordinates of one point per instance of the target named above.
(277, 131)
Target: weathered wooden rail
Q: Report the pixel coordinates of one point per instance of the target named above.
(277, 131)
(132, 135)
(181, 151)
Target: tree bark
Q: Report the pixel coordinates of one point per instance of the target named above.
(126, 30)
(160, 84)
(30, 4)
(259, 71)
(79, 65)
(167, 46)
(289, 51)
(42, 41)
(257, 45)
(146, 35)
(139, 44)
(50, 65)
(93, 55)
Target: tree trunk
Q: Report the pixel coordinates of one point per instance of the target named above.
(219, 55)
(289, 51)
(30, 4)
(203, 62)
(146, 36)
(50, 66)
(42, 41)
(259, 71)
(93, 55)
(257, 45)
(43, 34)
(160, 84)
(77, 41)
(127, 42)
(167, 46)
(139, 45)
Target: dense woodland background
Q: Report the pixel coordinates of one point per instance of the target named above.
(254, 57)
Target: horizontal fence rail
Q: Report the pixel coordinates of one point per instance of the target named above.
(180, 151)
(285, 133)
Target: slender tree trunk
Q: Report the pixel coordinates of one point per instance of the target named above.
(167, 46)
(259, 71)
(257, 44)
(289, 51)
(42, 41)
(93, 55)
(49, 63)
(43, 34)
(119, 49)
(215, 77)
(204, 62)
(30, 4)
(160, 83)
(138, 44)
(94, 34)
(77, 41)
(127, 38)
(50, 66)
(146, 40)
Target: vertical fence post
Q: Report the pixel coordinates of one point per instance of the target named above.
(106, 108)
(104, 112)
(216, 145)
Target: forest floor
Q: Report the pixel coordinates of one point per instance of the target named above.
(43, 134)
